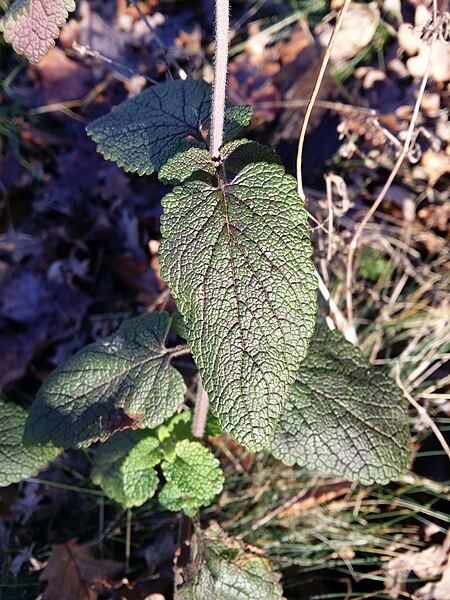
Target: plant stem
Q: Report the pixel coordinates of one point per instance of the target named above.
(200, 411)
(220, 76)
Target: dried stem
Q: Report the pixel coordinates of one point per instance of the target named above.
(422, 412)
(312, 100)
(220, 76)
(379, 199)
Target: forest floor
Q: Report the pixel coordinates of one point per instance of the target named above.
(79, 254)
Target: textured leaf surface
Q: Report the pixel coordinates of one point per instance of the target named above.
(125, 380)
(143, 133)
(238, 262)
(31, 26)
(123, 468)
(223, 568)
(196, 165)
(16, 461)
(343, 416)
(194, 478)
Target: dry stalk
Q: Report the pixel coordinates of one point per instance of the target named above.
(312, 100)
(379, 199)
(422, 412)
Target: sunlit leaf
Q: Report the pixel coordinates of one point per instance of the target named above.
(31, 26)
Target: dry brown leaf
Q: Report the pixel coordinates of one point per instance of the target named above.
(410, 40)
(431, 563)
(73, 573)
(435, 165)
(357, 31)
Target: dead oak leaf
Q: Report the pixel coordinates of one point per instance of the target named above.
(73, 573)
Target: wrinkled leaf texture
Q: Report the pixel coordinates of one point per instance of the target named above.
(31, 26)
(16, 461)
(237, 258)
(143, 133)
(343, 416)
(125, 380)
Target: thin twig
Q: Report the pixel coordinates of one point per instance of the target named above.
(422, 411)
(87, 51)
(403, 154)
(181, 72)
(312, 100)
(220, 76)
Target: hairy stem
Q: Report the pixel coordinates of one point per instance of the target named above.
(220, 76)
(200, 411)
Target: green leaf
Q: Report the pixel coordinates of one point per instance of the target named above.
(143, 133)
(240, 153)
(223, 568)
(31, 26)
(125, 380)
(16, 461)
(178, 324)
(237, 260)
(123, 468)
(343, 416)
(194, 477)
(196, 165)
(236, 120)
(193, 164)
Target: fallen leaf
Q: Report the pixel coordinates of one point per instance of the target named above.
(61, 78)
(431, 563)
(73, 573)
(356, 33)
(411, 40)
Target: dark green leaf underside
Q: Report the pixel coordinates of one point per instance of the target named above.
(223, 568)
(16, 461)
(143, 133)
(238, 262)
(125, 380)
(343, 416)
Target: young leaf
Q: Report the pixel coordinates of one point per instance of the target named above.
(196, 165)
(143, 133)
(123, 468)
(343, 416)
(16, 461)
(194, 477)
(222, 568)
(31, 26)
(237, 259)
(126, 380)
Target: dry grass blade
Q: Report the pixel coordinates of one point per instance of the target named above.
(312, 100)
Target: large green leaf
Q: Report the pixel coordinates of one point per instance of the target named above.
(143, 133)
(123, 467)
(343, 416)
(194, 478)
(125, 380)
(237, 259)
(222, 568)
(16, 461)
(31, 26)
